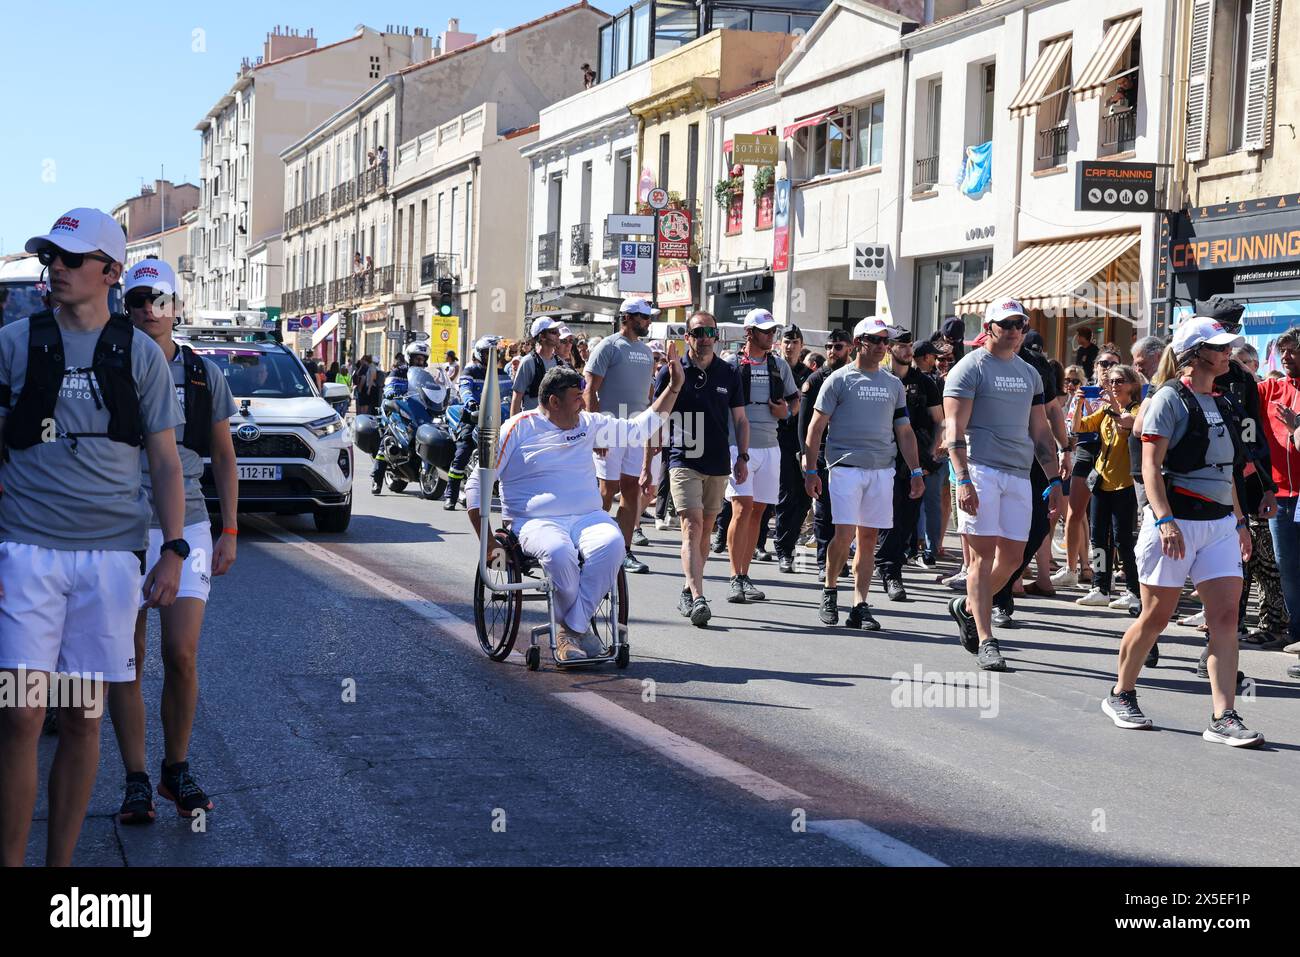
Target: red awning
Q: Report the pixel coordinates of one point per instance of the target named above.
(807, 121)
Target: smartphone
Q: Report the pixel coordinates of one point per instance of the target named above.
(1092, 392)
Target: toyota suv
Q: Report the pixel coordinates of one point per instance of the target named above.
(292, 444)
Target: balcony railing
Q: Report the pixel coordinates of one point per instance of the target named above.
(439, 266)
(289, 300)
(318, 207)
(548, 251)
(343, 194)
(609, 243)
(926, 173)
(1119, 131)
(1052, 146)
(580, 245)
(372, 180)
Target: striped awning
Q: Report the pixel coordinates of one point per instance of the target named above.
(1038, 85)
(807, 121)
(1054, 275)
(1101, 68)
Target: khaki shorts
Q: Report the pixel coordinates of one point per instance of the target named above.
(692, 489)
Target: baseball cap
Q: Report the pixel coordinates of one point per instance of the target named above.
(1199, 331)
(635, 305)
(1221, 309)
(656, 345)
(1033, 341)
(1001, 309)
(874, 326)
(924, 348)
(84, 230)
(565, 332)
(151, 274)
(953, 329)
(792, 331)
(760, 319)
(542, 324)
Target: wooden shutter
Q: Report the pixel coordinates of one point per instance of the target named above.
(1258, 129)
(1198, 80)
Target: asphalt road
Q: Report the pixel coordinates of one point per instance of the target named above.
(713, 747)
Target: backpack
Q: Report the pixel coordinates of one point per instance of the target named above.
(773, 375)
(1189, 454)
(198, 404)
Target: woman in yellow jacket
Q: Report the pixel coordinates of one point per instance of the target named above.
(1114, 500)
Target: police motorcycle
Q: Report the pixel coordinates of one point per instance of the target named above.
(463, 417)
(407, 437)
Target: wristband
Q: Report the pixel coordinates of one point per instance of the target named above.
(1242, 523)
(965, 481)
(917, 472)
(230, 531)
(1047, 492)
(809, 471)
(1163, 521)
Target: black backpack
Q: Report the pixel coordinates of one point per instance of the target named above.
(198, 404)
(774, 378)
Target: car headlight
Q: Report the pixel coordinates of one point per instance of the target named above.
(327, 426)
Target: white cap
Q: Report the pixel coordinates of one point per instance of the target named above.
(635, 305)
(1200, 331)
(1001, 309)
(565, 332)
(151, 274)
(542, 324)
(84, 230)
(657, 345)
(760, 319)
(593, 342)
(874, 326)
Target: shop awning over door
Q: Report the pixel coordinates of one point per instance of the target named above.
(1105, 61)
(1054, 275)
(326, 327)
(1038, 84)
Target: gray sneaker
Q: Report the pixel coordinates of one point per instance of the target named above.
(684, 603)
(1228, 729)
(638, 538)
(700, 613)
(751, 593)
(568, 647)
(989, 657)
(1122, 708)
(737, 594)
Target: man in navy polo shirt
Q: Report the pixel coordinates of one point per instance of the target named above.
(699, 460)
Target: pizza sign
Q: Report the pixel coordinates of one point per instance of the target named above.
(675, 234)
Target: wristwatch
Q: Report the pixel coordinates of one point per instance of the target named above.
(179, 546)
(743, 456)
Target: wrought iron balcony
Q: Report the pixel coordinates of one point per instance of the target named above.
(926, 173)
(1119, 131)
(1053, 145)
(580, 245)
(548, 252)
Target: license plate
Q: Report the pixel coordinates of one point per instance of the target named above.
(260, 473)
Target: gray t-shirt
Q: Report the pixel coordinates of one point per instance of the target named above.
(762, 424)
(1167, 416)
(93, 498)
(223, 407)
(864, 408)
(627, 366)
(1004, 390)
(528, 378)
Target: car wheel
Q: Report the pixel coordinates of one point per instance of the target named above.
(333, 518)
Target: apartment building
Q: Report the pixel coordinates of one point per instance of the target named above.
(158, 207)
(292, 88)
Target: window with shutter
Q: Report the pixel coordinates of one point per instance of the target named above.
(1198, 80)
(1259, 76)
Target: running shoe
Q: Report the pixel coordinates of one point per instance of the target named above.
(751, 593)
(1095, 597)
(700, 612)
(763, 555)
(137, 806)
(718, 542)
(785, 564)
(1125, 601)
(1193, 621)
(1293, 648)
(662, 524)
(956, 582)
(1228, 729)
(990, 657)
(860, 617)
(895, 590)
(1001, 618)
(1122, 708)
(737, 594)
(1153, 656)
(568, 647)
(967, 633)
(638, 538)
(922, 560)
(1065, 579)
(684, 603)
(829, 612)
(178, 786)
(1058, 549)
(1203, 668)
(633, 566)
(377, 487)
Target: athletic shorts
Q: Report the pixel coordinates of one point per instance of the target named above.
(692, 489)
(71, 612)
(1210, 550)
(196, 571)
(617, 462)
(862, 497)
(1006, 505)
(763, 482)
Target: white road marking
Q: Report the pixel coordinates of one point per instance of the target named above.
(877, 845)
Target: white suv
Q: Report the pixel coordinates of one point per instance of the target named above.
(293, 447)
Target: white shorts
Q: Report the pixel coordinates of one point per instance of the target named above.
(1006, 505)
(764, 479)
(620, 461)
(862, 497)
(71, 612)
(196, 571)
(1210, 550)
(657, 470)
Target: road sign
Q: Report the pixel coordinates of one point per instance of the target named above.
(657, 198)
(617, 225)
(749, 149)
(395, 333)
(870, 261)
(636, 263)
(294, 325)
(675, 234)
(1115, 187)
(306, 323)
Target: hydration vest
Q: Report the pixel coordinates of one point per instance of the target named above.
(1189, 454)
(774, 379)
(198, 404)
(110, 369)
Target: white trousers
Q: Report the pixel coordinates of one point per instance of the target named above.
(556, 542)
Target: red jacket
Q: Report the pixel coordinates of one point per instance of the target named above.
(1286, 457)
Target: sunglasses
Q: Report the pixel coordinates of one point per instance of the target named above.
(1106, 365)
(138, 298)
(1011, 324)
(1074, 382)
(836, 346)
(47, 256)
(874, 340)
(703, 332)
(1213, 348)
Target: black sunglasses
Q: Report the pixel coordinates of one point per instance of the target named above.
(836, 346)
(1214, 348)
(47, 256)
(703, 332)
(1074, 382)
(874, 340)
(138, 298)
(1010, 324)
(1107, 364)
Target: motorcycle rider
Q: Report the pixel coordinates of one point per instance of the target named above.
(471, 391)
(417, 357)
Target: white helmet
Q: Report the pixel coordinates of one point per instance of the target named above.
(413, 349)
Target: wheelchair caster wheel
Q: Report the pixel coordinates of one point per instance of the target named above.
(533, 658)
(623, 657)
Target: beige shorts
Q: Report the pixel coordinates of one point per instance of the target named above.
(692, 489)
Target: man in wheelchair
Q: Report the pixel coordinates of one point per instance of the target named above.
(549, 493)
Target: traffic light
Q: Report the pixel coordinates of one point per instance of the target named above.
(446, 298)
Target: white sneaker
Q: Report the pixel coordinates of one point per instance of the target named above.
(1193, 621)
(956, 582)
(1065, 579)
(1125, 602)
(1094, 597)
(1058, 549)
(662, 524)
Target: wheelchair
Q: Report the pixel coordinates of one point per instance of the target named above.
(497, 614)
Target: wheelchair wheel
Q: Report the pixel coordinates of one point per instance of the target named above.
(497, 614)
(602, 622)
(533, 658)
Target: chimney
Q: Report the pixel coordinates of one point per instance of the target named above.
(452, 39)
(285, 42)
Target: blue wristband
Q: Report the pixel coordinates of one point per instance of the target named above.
(965, 481)
(809, 471)
(917, 472)
(1161, 521)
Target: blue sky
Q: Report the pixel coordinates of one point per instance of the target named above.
(97, 96)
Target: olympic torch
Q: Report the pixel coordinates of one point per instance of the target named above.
(489, 430)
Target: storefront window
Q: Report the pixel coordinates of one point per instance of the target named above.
(940, 283)
(846, 313)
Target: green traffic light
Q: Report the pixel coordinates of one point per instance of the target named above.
(444, 309)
